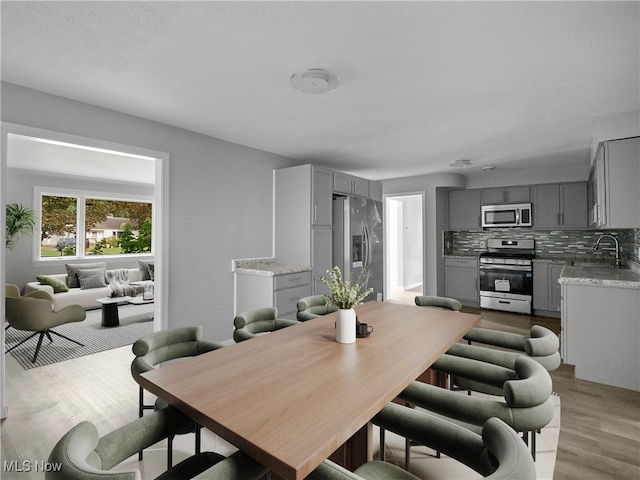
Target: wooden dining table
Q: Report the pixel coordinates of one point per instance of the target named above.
(294, 397)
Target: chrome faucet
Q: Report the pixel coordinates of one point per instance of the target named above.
(597, 245)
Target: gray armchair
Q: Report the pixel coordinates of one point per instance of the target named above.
(314, 306)
(526, 406)
(158, 347)
(34, 313)
(251, 323)
(495, 452)
(83, 455)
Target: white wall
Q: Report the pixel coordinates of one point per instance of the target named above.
(220, 199)
(412, 239)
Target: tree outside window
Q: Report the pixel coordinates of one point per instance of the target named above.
(108, 226)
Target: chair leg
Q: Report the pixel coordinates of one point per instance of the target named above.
(65, 337)
(18, 344)
(382, 454)
(198, 438)
(407, 453)
(169, 451)
(35, 355)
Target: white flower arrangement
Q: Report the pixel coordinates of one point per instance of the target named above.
(345, 294)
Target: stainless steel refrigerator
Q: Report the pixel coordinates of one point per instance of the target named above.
(357, 240)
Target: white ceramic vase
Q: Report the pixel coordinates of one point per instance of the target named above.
(346, 326)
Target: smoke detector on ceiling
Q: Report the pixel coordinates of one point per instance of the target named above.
(461, 163)
(314, 81)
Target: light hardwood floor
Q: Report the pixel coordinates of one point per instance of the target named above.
(599, 433)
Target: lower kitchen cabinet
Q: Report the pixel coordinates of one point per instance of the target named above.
(600, 331)
(280, 291)
(461, 280)
(546, 289)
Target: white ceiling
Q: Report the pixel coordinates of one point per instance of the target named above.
(421, 83)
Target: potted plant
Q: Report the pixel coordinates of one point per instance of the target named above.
(345, 295)
(20, 220)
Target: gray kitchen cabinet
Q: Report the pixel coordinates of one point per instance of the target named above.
(303, 212)
(375, 191)
(280, 291)
(464, 209)
(501, 195)
(461, 280)
(546, 289)
(615, 185)
(321, 254)
(350, 185)
(600, 331)
(560, 205)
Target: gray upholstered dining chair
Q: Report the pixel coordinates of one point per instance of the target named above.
(374, 470)
(252, 323)
(496, 451)
(34, 313)
(82, 454)
(444, 303)
(313, 306)
(526, 406)
(156, 348)
(541, 344)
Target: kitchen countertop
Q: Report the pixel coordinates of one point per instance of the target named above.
(600, 276)
(266, 267)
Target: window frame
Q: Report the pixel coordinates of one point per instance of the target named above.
(81, 231)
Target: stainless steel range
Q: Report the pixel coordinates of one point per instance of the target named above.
(506, 275)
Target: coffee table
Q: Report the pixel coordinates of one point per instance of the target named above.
(110, 316)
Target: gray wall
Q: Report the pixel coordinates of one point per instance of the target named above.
(220, 198)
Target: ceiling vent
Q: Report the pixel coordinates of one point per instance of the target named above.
(461, 163)
(314, 81)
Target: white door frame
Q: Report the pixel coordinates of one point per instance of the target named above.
(388, 234)
(160, 219)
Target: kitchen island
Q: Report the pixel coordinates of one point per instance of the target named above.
(601, 324)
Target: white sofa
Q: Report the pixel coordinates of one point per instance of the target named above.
(83, 297)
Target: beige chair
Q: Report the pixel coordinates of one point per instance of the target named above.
(34, 313)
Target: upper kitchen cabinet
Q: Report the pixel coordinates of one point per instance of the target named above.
(375, 191)
(560, 205)
(350, 185)
(497, 196)
(614, 185)
(303, 211)
(464, 210)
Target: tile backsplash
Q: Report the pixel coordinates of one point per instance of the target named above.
(553, 244)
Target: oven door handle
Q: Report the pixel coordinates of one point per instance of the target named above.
(512, 268)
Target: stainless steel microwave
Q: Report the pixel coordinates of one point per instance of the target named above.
(514, 215)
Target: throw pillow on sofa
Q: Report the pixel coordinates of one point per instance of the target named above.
(143, 267)
(72, 272)
(91, 278)
(57, 284)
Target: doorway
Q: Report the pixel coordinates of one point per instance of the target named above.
(405, 247)
(159, 174)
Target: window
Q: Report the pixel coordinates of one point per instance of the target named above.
(88, 224)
